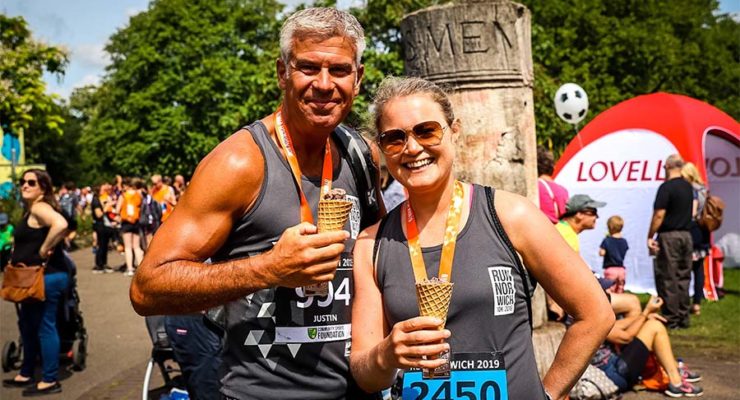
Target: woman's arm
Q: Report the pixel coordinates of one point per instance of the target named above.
(625, 330)
(47, 216)
(565, 277)
(377, 351)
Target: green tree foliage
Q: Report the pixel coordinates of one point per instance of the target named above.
(60, 153)
(23, 101)
(184, 75)
(618, 49)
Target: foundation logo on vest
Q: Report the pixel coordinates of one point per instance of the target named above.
(504, 290)
(312, 333)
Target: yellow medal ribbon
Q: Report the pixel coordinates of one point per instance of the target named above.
(326, 172)
(448, 245)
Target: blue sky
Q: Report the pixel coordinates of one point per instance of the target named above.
(83, 27)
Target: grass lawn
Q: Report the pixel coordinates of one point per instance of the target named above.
(717, 329)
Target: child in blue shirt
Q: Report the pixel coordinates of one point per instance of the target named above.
(613, 248)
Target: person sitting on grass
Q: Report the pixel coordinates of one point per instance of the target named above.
(629, 343)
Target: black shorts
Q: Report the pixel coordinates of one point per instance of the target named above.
(127, 227)
(634, 355)
(71, 224)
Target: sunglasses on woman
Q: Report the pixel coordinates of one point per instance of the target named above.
(428, 133)
(30, 182)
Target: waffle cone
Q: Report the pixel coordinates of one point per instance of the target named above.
(333, 214)
(434, 298)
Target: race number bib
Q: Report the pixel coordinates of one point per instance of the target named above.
(474, 376)
(300, 318)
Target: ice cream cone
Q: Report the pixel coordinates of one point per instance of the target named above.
(433, 297)
(333, 214)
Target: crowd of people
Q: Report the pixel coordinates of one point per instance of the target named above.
(307, 313)
(125, 215)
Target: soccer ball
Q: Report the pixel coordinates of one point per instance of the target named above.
(571, 103)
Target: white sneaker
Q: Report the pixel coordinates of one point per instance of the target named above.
(129, 273)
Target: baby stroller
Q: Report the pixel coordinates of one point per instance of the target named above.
(163, 356)
(70, 326)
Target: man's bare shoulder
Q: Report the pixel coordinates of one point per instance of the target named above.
(236, 154)
(231, 174)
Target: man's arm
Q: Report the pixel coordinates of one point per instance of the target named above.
(655, 223)
(558, 269)
(173, 277)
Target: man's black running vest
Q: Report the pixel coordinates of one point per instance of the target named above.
(488, 310)
(279, 344)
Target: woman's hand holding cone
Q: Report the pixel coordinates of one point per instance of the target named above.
(411, 340)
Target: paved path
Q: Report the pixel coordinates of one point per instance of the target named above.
(119, 345)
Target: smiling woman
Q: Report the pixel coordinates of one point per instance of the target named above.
(481, 342)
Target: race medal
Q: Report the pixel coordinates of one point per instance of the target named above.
(281, 130)
(473, 376)
(433, 295)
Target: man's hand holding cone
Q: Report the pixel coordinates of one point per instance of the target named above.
(304, 257)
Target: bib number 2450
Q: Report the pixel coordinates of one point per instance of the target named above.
(474, 376)
(444, 391)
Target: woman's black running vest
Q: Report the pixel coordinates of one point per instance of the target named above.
(485, 313)
(280, 345)
(28, 242)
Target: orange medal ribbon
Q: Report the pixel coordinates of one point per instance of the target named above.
(450, 239)
(326, 172)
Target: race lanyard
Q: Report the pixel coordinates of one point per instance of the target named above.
(326, 172)
(450, 239)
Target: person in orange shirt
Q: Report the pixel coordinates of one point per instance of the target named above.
(129, 210)
(164, 195)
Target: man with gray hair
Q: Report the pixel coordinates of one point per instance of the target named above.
(250, 210)
(672, 249)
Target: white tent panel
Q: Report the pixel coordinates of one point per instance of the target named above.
(624, 169)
